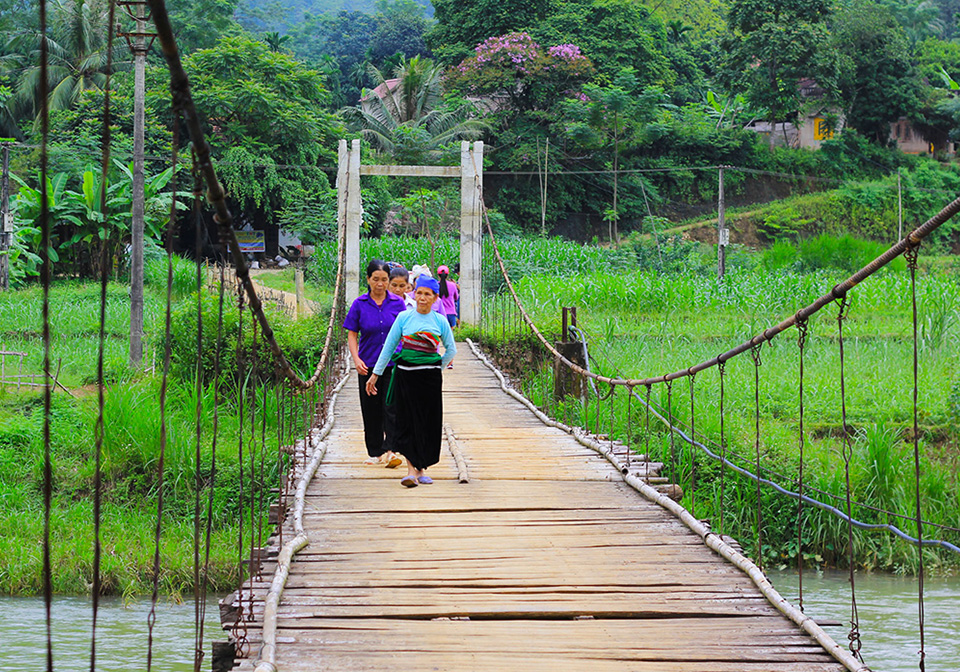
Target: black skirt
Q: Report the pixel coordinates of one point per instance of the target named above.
(418, 402)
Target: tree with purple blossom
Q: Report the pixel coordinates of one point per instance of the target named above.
(520, 74)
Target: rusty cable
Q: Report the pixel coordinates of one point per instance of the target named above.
(721, 369)
(847, 451)
(693, 453)
(613, 418)
(755, 354)
(673, 447)
(629, 422)
(198, 415)
(802, 331)
(46, 274)
(252, 452)
(239, 630)
(911, 255)
(98, 433)
(277, 401)
(263, 483)
(171, 224)
(212, 481)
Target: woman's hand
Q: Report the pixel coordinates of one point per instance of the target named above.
(372, 385)
(360, 366)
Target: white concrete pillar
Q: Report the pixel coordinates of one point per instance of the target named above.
(471, 231)
(353, 220)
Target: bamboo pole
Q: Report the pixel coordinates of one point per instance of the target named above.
(454, 446)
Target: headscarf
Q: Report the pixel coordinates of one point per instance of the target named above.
(428, 282)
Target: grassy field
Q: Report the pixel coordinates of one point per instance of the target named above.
(131, 449)
(284, 280)
(645, 323)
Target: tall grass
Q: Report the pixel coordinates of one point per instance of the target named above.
(131, 448)
(644, 324)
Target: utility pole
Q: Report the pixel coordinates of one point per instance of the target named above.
(723, 235)
(139, 42)
(6, 219)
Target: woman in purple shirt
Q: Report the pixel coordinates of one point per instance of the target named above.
(367, 323)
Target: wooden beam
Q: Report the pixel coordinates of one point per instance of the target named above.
(412, 171)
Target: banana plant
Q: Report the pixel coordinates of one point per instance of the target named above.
(83, 225)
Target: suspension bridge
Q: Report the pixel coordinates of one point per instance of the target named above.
(530, 551)
(538, 546)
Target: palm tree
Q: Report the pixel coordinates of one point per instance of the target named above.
(404, 118)
(676, 30)
(77, 56)
(416, 92)
(276, 42)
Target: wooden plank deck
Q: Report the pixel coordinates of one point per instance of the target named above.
(545, 560)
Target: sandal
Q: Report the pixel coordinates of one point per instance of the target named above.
(409, 481)
(394, 462)
(425, 480)
(372, 460)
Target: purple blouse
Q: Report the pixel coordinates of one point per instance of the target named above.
(372, 323)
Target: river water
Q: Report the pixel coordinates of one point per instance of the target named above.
(887, 606)
(121, 634)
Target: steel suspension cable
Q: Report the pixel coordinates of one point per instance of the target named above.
(46, 274)
(755, 355)
(802, 330)
(98, 432)
(693, 458)
(847, 450)
(211, 485)
(911, 256)
(721, 369)
(198, 413)
(673, 425)
(171, 222)
(670, 421)
(239, 630)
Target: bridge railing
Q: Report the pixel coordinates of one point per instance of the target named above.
(505, 314)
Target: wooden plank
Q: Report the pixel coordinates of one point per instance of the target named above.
(411, 171)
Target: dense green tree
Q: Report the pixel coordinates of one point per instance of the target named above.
(920, 19)
(199, 24)
(607, 120)
(264, 114)
(878, 83)
(949, 13)
(401, 26)
(772, 45)
(346, 37)
(932, 54)
(613, 34)
(17, 15)
(461, 26)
